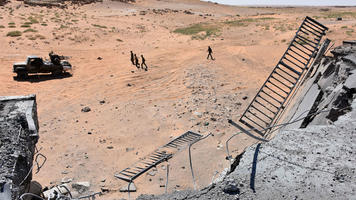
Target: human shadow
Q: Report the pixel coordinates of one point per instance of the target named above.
(42, 77)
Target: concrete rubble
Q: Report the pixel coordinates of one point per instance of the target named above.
(18, 138)
(316, 162)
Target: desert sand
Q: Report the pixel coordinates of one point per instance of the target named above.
(135, 111)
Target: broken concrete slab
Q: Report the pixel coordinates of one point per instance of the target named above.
(325, 82)
(18, 138)
(60, 189)
(350, 82)
(349, 42)
(130, 187)
(304, 106)
(351, 58)
(328, 69)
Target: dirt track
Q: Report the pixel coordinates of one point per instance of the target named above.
(159, 104)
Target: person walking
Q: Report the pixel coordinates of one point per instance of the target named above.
(143, 62)
(210, 51)
(132, 58)
(137, 62)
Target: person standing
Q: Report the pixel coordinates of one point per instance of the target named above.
(132, 58)
(137, 62)
(143, 62)
(210, 51)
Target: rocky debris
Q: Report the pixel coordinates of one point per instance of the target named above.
(188, 12)
(66, 180)
(163, 11)
(130, 187)
(81, 187)
(59, 189)
(86, 109)
(18, 138)
(206, 108)
(58, 3)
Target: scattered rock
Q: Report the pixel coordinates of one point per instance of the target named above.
(198, 114)
(99, 58)
(86, 109)
(102, 102)
(245, 97)
(129, 149)
(188, 12)
(109, 147)
(66, 180)
(81, 187)
(129, 85)
(104, 189)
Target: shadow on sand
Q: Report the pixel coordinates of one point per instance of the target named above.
(42, 77)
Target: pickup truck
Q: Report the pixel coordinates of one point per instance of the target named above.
(34, 64)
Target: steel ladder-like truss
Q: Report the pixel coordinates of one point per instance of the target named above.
(158, 156)
(272, 96)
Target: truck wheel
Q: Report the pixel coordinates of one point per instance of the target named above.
(22, 74)
(57, 72)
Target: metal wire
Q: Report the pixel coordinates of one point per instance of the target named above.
(279, 127)
(167, 178)
(190, 158)
(65, 187)
(38, 166)
(30, 194)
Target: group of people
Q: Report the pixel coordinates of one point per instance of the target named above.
(135, 61)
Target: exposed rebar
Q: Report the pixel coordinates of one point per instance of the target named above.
(190, 158)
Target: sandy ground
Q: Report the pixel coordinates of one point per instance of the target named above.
(181, 90)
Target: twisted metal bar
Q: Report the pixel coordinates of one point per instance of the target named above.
(190, 158)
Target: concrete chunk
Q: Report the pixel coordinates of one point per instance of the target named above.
(128, 188)
(350, 82)
(351, 58)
